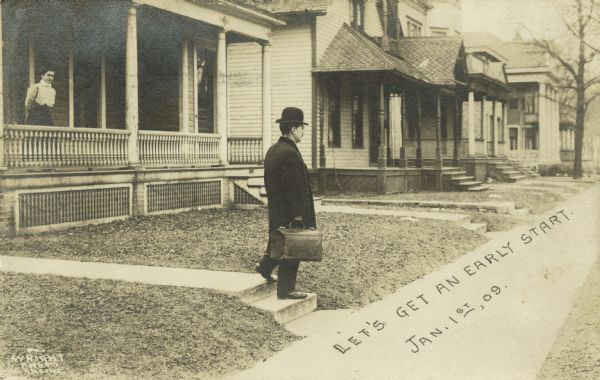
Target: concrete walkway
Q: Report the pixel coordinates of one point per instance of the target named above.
(445, 216)
(493, 313)
(232, 283)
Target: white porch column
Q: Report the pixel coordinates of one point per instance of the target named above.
(543, 127)
(484, 125)
(471, 122)
(495, 128)
(131, 86)
(505, 131)
(184, 105)
(266, 97)
(222, 95)
(71, 65)
(2, 166)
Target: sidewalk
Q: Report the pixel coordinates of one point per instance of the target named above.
(494, 313)
(232, 283)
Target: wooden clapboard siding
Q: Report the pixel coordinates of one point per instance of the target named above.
(346, 155)
(373, 25)
(291, 78)
(244, 88)
(329, 24)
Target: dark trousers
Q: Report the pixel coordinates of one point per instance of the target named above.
(286, 274)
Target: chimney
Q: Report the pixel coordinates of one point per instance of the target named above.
(385, 44)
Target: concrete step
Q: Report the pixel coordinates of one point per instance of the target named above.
(257, 292)
(454, 172)
(256, 181)
(462, 178)
(477, 227)
(504, 167)
(509, 172)
(284, 311)
(263, 192)
(469, 183)
(478, 188)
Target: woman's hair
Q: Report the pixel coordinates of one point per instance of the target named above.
(44, 69)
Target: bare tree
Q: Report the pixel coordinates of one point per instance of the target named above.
(576, 56)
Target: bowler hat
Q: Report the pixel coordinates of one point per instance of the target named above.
(292, 115)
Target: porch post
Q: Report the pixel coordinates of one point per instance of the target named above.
(382, 159)
(542, 124)
(103, 87)
(457, 132)
(484, 125)
(419, 158)
(2, 165)
(31, 57)
(131, 86)
(471, 123)
(505, 134)
(222, 95)
(184, 105)
(266, 97)
(71, 66)
(495, 128)
(404, 128)
(438, 131)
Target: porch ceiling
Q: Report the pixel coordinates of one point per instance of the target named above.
(351, 51)
(236, 18)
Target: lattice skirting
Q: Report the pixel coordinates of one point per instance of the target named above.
(241, 197)
(42, 208)
(171, 197)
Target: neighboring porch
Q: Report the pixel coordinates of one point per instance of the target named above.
(137, 83)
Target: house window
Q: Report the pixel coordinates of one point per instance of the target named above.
(513, 136)
(500, 130)
(531, 102)
(357, 14)
(513, 104)
(334, 130)
(357, 121)
(414, 27)
(444, 120)
(205, 71)
(439, 31)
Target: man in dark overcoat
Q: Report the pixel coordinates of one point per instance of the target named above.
(290, 198)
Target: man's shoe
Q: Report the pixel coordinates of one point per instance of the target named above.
(292, 296)
(265, 275)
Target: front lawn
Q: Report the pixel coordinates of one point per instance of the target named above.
(365, 257)
(109, 329)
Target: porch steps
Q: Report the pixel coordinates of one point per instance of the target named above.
(254, 189)
(462, 182)
(264, 296)
(524, 170)
(503, 171)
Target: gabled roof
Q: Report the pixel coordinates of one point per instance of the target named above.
(294, 6)
(436, 57)
(351, 51)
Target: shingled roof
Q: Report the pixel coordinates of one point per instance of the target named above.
(436, 57)
(295, 6)
(351, 51)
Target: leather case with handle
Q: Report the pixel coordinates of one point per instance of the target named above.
(296, 244)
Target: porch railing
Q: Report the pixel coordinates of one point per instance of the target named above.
(176, 148)
(35, 146)
(245, 150)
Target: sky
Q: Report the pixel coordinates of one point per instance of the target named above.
(502, 17)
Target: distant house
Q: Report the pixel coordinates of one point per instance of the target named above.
(533, 115)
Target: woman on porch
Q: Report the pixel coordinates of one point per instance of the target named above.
(40, 99)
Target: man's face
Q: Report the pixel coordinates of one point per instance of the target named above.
(297, 133)
(48, 77)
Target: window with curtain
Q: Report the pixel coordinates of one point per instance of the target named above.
(334, 118)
